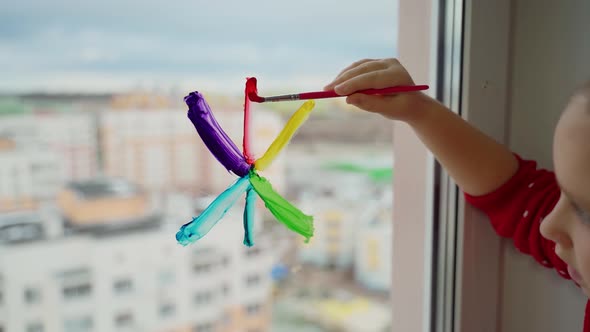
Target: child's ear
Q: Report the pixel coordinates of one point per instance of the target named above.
(582, 95)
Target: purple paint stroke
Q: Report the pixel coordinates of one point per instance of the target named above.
(220, 145)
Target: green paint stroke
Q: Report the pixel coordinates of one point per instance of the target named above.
(284, 211)
(383, 174)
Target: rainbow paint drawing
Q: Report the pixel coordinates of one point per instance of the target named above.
(246, 168)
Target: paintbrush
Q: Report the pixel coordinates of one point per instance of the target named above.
(253, 95)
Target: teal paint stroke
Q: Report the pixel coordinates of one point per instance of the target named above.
(249, 212)
(201, 225)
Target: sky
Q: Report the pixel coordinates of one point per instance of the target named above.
(114, 46)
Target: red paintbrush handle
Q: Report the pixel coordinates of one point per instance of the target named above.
(384, 91)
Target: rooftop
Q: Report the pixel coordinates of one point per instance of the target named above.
(104, 187)
(19, 227)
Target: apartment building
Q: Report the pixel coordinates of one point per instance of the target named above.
(372, 253)
(70, 136)
(336, 223)
(131, 275)
(161, 150)
(105, 202)
(27, 176)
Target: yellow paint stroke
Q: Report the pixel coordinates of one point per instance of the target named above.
(285, 135)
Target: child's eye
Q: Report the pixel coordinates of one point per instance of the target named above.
(581, 213)
(585, 216)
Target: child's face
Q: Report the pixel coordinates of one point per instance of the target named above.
(568, 225)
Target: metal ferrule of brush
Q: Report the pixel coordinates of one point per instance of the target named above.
(282, 98)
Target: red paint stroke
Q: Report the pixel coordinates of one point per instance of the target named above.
(250, 88)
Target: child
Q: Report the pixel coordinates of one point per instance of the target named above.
(546, 214)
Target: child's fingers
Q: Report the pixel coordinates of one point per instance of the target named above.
(362, 67)
(376, 79)
(375, 104)
(370, 80)
(332, 84)
(353, 65)
(367, 67)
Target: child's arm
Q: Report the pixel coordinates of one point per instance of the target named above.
(512, 192)
(476, 162)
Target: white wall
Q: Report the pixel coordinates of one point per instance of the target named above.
(551, 56)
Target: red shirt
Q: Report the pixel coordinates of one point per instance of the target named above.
(516, 210)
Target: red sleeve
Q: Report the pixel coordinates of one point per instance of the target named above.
(517, 208)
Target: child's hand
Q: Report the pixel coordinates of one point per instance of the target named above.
(377, 74)
(476, 162)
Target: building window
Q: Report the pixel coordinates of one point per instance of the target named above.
(167, 309)
(253, 252)
(333, 248)
(372, 254)
(35, 327)
(166, 277)
(333, 238)
(333, 225)
(225, 289)
(227, 319)
(123, 286)
(252, 280)
(333, 217)
(1, 292)
(204, 327)
(201, 251)
(225, 261)
(200, 268)
(77, 291)
(327, 193)
(32, 295)
(203, 298)
(253, 309)
(333, 229)
(124, 319)
(78, 324)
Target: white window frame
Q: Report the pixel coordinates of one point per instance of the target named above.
(485, 96)
(413, 181)
(440, 276)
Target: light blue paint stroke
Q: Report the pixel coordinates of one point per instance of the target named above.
(249, 217)
(201, 225)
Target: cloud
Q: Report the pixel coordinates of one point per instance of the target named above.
(53, 44)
